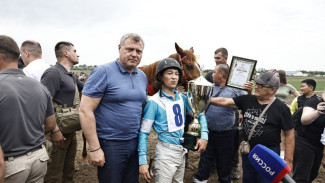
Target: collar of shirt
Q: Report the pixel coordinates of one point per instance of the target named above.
(122, 69)
(61, 67)
(169, 96)
(12, 71)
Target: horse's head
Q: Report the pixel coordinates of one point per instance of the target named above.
(187, 60)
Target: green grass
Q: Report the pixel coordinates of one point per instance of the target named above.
(296, 81)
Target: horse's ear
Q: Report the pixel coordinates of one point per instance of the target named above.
(191, 50)
(179, 50)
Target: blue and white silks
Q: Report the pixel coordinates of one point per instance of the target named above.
(169, 124)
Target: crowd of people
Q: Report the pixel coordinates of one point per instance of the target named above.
(117, 115)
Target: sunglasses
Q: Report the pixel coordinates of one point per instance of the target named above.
(260, 86)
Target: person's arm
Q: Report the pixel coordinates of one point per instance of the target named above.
(289, 143)
(2, 166)
(88, 125)
(294, 105)
(203, 141)
(296, 93)
(56, 136)
(309, 114)
(223, 102)
(146, 125)
(142, 149)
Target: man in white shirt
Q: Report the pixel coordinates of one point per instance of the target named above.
(31, 53)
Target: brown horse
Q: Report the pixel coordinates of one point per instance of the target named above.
(187, 60)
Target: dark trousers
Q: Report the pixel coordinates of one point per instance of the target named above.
(220, 148)
(306, 162)
(61, 169)
(237, 140)
(121, 161)
(250, 175)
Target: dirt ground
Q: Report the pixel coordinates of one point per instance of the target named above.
(86, 173)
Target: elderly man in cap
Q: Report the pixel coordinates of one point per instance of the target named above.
(268, 130)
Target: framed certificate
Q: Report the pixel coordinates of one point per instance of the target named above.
(241, 70)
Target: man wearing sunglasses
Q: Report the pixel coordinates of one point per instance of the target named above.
(268, 130)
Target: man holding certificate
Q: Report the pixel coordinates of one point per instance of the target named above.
(221, 132)
(268, 128)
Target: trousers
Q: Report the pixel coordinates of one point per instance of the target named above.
(62, 168)
(169, 163)
(29, 168)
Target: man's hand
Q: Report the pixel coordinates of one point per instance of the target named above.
(97, 158)
(181, 89)
(144, 172)
(202, 145)
(323, 161)
(57, 140)
(249, 87)
(321, 108)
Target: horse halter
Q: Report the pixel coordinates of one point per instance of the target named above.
(181, 63)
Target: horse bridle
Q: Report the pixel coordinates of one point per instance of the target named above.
(181, 63)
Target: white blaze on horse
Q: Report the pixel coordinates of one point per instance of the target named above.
(187, 61)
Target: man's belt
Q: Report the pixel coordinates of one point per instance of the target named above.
(30, 151)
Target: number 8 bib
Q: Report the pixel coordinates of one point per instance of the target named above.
(175, 114)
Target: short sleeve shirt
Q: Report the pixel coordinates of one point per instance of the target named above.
(222, 118)
(268, 130)
(24, 105)
(118, 115)
(284, 92)
(61, 84)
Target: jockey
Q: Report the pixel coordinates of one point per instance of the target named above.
(165, 112)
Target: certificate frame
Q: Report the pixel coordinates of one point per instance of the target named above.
(241, 71)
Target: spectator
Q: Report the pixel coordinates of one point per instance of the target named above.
(285, 89)
(221, 132)
(31, 53)
(110, 113)
(62, 86)
(307, 89)
(26, 112)
(308, 152)
(220, 57)
(268, 129)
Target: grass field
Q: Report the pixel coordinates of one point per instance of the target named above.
(296, 81)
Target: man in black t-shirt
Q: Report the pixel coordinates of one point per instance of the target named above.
(308, 152)
(268, 129)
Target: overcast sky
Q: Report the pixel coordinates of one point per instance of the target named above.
(281, 34)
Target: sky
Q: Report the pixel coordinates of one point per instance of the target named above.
(288, 35)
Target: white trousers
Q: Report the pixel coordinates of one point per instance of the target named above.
(169, 163)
